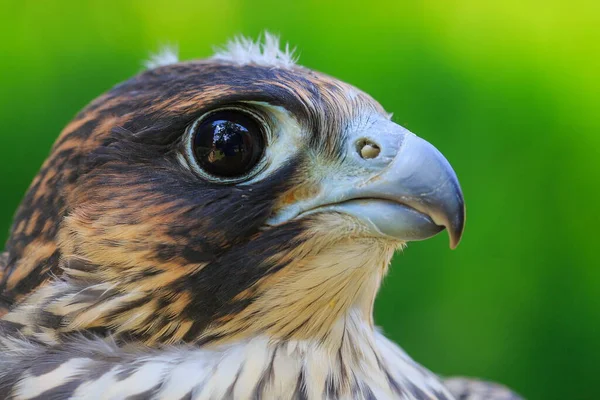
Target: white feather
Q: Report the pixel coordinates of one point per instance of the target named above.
(265, 51)
(165, 56)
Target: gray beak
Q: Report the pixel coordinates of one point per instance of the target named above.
(420, 178)
(406, 191)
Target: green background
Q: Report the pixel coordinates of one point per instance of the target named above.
(507, 90)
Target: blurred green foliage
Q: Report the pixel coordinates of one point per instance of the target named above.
(508, 91)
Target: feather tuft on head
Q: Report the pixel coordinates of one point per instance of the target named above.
(265, 51)
(165, 56)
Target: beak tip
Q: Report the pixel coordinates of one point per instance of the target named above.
(456, 230)
(454, 243)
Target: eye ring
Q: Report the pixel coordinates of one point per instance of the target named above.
(228, 144)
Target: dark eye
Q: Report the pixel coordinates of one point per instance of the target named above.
(228, 143)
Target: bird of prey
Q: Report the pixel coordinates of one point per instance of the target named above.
(218, 229)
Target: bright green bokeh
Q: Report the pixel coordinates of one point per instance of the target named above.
(508, 91)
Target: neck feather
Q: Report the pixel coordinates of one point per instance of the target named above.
(296, 339)
(362, 364)
(306, 299)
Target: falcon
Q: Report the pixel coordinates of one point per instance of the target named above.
(218, 229)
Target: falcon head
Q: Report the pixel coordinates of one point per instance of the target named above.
(215, 199)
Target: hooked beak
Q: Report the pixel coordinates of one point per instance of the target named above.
(410, 191)
(414, 198)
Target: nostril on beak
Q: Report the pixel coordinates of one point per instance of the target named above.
(368, 149)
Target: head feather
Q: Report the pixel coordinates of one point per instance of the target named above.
(265, 51)
(167, 55)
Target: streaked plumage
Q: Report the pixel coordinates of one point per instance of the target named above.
(130, 273)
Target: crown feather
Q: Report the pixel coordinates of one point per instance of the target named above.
(265, 51)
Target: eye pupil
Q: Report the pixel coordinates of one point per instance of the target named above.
(228, 143)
